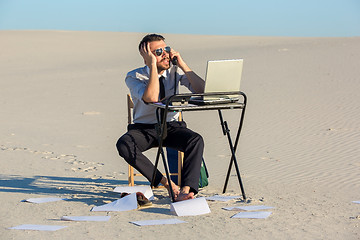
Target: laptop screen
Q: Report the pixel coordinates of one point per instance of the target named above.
(223, 75)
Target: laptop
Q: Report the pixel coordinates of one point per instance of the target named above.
(221, 76)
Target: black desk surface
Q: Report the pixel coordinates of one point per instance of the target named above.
(192, 107)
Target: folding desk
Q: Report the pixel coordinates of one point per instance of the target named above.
(178, 102)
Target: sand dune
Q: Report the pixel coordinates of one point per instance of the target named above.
(62, 104)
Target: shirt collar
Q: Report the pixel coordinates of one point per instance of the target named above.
(148, 72)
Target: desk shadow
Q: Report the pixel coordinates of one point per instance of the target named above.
(86, 190)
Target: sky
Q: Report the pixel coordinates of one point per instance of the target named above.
(298, 18)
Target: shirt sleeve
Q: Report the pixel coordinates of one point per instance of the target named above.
(184, 81)
(136, 86)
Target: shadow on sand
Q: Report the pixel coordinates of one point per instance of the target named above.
(87, 190)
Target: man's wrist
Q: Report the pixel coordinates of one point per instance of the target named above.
(153, 69)
(185, 68)
(153, 65)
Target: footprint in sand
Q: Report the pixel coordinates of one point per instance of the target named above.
(82, 166)
(45, 154)
(79, 166)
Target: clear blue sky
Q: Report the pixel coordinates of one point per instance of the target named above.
(322, 18)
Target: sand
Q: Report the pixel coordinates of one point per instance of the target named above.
(62, 104)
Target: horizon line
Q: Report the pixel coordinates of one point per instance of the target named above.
(177, 33)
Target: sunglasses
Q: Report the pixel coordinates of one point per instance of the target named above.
(159, 51)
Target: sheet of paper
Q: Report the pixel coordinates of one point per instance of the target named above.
(44, 200)
(158, 222)
(356, 202)
(256, 215)
(146, 190)
(86, 218)
(38, 227)
(248, 208)
(126, 203)
(192, 207)
(222, 198)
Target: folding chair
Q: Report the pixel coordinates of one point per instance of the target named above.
(175, 172)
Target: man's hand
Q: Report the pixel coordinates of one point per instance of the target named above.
(180, 61)
(149, 57)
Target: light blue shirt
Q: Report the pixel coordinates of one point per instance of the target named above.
(137, 81)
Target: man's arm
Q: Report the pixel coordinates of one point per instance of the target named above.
(151, 93)
(196, 82)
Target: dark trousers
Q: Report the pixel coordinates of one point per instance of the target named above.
(141, 137)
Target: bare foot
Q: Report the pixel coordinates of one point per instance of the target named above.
(174, 187)
(185, 194)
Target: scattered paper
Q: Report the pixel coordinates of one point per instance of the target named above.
(248, 208)
(191, 207)
(86, 218)
(257, 215)
(44, 200)
(38, 227)
(146, 190)
(356, 202)
(158, 222)
(126, 203)
(222, 198)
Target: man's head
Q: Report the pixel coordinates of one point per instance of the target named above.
(158, 48)
(151, 38)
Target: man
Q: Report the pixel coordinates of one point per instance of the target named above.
(145, 87)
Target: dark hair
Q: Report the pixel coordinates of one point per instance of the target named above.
(151, 38)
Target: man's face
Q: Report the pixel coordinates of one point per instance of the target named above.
(163, 61)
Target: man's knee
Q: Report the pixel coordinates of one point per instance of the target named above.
(123, 148)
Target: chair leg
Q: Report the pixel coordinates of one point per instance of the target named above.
(131, 176)
(180, 163)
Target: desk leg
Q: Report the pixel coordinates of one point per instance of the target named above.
(160, 151)
(155, 167)
(226, 131)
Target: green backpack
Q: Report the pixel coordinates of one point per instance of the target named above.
(204, 175)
